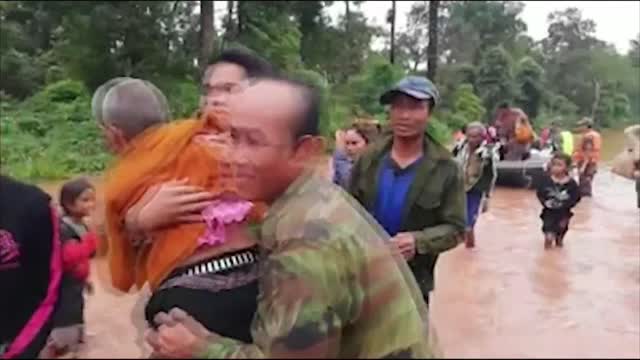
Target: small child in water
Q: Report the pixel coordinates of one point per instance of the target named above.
(558, 193)
(77, 200)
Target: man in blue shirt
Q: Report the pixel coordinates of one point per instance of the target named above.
(411, 184)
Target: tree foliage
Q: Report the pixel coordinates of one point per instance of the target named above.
(53, 54)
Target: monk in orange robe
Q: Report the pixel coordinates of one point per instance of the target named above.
(160, 152)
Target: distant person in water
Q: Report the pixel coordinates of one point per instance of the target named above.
(558, 193)
(478, 161)
(77, 201)
(587, 155)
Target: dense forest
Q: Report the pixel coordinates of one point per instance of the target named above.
(53, 54)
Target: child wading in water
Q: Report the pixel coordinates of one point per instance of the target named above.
(77, 200)
(558, 193)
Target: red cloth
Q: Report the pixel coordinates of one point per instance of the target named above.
(76, 255)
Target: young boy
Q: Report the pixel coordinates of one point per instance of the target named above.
(558, 193)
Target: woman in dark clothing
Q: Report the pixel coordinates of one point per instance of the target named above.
(558, 193)
(77, 200)
(355, 142)
(30, 268)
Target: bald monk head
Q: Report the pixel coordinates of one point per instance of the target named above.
(126, 107)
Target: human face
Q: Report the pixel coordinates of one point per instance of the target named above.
(475, 136)
(408, 116)
(354, 143)
(266, 156)
(558, 167)
(84, 204)
(221, 80)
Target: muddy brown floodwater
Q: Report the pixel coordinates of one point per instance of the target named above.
(506, 298)
(511, 298)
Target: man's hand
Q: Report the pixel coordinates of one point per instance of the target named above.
(406, 244)
(179, 336)
(170, 203)
(485, 205)
(636, 174)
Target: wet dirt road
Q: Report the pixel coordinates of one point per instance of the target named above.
(506, 298)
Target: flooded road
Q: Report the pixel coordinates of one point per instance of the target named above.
(508, 297)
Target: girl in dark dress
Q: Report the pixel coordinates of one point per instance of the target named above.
(77, 200)
(558, 193)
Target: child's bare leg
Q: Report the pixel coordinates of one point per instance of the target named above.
(549, 239)
(470, 238)
(564, 227)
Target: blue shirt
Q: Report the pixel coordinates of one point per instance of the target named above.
(393, 187)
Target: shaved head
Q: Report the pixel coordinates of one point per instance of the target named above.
(476, 125)
(274, 126)
(130, 105)
(297, 104)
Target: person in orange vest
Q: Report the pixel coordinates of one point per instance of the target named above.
(587, 155)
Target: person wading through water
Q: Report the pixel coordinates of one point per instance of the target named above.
(587, 155)
(411, 184)
(478, 161)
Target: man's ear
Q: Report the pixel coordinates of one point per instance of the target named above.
(116, 138)
(310, 148)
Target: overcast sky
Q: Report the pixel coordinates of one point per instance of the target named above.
(617, 22)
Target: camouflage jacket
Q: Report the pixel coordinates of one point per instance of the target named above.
(435, 207)
(330, 286)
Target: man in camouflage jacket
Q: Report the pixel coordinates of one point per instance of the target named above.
(330, 285)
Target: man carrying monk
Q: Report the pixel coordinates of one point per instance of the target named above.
(330, 285)
(207, 267)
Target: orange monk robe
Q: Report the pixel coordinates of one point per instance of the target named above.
(160, 154)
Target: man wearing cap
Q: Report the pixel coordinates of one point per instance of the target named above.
(418, 193)
(587, 155)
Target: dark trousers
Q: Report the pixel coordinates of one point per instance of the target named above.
(228, 312)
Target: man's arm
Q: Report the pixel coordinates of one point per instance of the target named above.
(292, 319)
(445, 236)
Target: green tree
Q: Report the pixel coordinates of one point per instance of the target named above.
(467, 103)
(270, 30)
(529, 77)
(634, 51)
(475, 26)
(568, 51)
(412, 44)
(365, 88)
(495, 83)
(103, 39)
